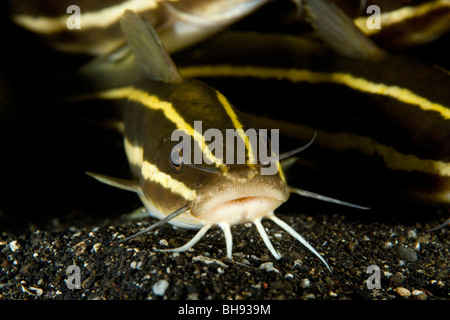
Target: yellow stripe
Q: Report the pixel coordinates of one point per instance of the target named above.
(151, 172)
(397, 16)
(392, 158)
(134, 153)
(341, 141)
(154, 103)
(280, 172)
(238, 125)
(101, 47)
(298, 75)
(244, 137)
(92, 19)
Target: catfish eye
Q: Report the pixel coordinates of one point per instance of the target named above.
(176, 158)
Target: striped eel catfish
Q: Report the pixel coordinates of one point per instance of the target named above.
(405, 26)
(398, 25)
(92, 27)
(372, 111)
(214, 192)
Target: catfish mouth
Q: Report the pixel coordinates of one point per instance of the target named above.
(236, 207)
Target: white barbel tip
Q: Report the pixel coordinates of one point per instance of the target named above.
(309, 194)
(228, 239)
(263, 234)
(191, 243)
(297, 236)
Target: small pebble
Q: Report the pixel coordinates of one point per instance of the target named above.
(397, 279)
(268, 266)
(97, 246)
(407, 254)
(403, 292)
(192, 296)
(305, 283)
(412, 234)
(419, 295)
(13, 246)
(310, 296)
(164, 242)
(136, 265)
(37, 291)
(423, 239)
(160, 287)
(298, 262)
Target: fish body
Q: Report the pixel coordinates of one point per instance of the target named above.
(93, 29)
(165, 189)
(372, 110)
(219, 189)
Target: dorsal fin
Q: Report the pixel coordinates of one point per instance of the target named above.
(337, 30)
(148, 49)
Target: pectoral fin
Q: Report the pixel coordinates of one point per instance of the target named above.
(337, 30)
(124, 184)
